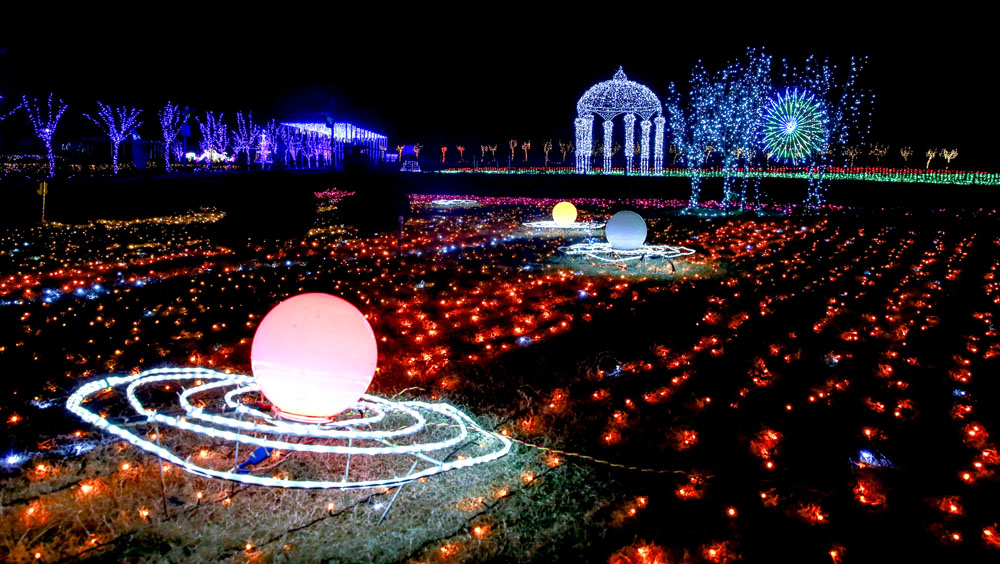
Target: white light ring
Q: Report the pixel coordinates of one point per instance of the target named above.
(419, 424)
(276, 426)
(606, 253)
(75, 401)
(307, 484)
(317, 448)
(379, 413)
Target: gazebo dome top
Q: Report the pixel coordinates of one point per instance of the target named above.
(619, 96)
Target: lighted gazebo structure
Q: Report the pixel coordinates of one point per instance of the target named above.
(612, 98)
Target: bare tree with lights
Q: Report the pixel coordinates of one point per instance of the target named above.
(852, 153)
(245, 136)
(563, 148)
(931, 153)
(691, 126)
(214, 136)
(269, 142)
(416, 150)
(294, 146)
(444, 150)
(171, 122)
(513, 145)
(948, 155)
(493, 151)
(878, 151)
(526, 146)
(461, 151)
(399, 151)
(45, 126)
(285, 142)
(117, 123)
(905, 152)
(546, 148)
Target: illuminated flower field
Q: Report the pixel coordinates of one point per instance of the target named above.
(802, 388)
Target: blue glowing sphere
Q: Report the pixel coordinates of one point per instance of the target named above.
(626, 231)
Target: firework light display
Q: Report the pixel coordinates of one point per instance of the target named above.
(794, 126)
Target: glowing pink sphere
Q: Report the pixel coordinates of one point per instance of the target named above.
(313, 356)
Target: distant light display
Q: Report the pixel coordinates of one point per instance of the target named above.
(794, 126)
(313, 355)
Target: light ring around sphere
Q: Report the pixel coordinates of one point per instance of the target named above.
(313, 356)
(626, 231)
(564, 214)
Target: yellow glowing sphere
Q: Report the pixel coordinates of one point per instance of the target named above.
(564, 214)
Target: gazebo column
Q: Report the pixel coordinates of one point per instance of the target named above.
(644, 157)
(589, 139)
(583, 144)
(629, 142)
(608, 144)
(658, 145)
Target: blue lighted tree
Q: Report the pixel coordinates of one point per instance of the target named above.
(172, 119)
(747, 86)
(45, 125)
(847, 109)
(214, 137)
(245, 136)
(117, 123)
(694, 125)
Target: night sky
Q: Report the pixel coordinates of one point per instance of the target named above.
(489, 72)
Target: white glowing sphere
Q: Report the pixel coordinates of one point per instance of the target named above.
(313, 356)
(564, 214)
(626, 231)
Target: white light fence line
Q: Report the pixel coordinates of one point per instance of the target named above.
(357, 430)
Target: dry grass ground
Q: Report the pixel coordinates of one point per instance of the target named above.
(108, 506)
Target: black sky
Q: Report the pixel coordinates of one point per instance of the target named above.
(492, 71)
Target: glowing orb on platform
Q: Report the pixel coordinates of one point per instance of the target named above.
(313, 356)
(626, 231)
(564, 214)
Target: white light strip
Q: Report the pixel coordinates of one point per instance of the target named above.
(460, 421)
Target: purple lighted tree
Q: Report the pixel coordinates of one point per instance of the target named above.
(214, 136)
(245, 136)
(45, 127)
(117, 123)
(269, 143)
(171, 121)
